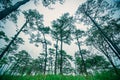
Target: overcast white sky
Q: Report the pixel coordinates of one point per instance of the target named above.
(49, 15)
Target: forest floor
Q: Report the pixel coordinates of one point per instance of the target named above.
(97, 76)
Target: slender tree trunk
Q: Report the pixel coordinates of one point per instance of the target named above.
(55, 71)
(112, 49)
(81, 57)
(45, 65)
(51, 67)
(113, 46)
(14, 38)
(83, 62)
(45, 58)
(58, 63)
(9, 10)
(61, 56)
(61, 59)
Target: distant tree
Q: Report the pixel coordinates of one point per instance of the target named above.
(41, 37)
(26, 58)
(44, 31)
(97, 63)
(54, 35)
(77, 35)
(67, 59)
(37, 65)
(22, 60)
(67, 63)
(77, 63)
(51, 60)
(63, 27)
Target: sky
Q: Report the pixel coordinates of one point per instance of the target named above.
(52, 14)
(55, 12)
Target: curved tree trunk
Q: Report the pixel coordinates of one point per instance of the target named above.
(9, 10)
(14, 38)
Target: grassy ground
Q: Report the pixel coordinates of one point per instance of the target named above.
(102, 76)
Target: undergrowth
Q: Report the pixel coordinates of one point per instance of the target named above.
(98, 76)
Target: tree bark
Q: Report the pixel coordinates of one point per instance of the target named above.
(14, 38)
(9, 10)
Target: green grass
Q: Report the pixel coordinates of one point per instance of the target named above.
(110, 75)
(42, 77)
(97, 76)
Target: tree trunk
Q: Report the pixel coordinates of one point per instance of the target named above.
(55, 71)
(51, 67)
(14, 38)
(45, 53)
(61, 60)
(113, 46)
(112, 49)
(9, 10)
(83, 69)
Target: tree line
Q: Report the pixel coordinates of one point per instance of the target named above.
(103, 35)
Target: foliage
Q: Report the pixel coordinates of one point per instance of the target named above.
(98, 76)
(106, 75)
(3, 36)
(97, 62)
(63, 28)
